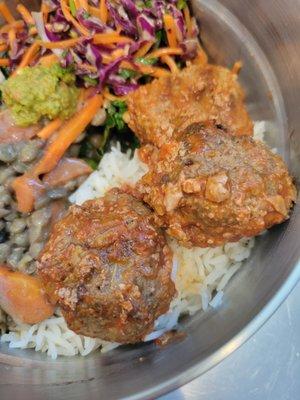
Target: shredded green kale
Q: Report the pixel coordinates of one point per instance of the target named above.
(127, 73)
(181, 4)
(147, 61)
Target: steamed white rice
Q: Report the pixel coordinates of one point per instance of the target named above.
(200, 274)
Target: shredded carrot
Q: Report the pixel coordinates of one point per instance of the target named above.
(16, 25)
(111, 37)
(11, 37)
(237, 66)
(88, 67)
(154, 71)
(118, 53)
(170, 63)
(103, 11)
(33, 31)
(168, 51)
(70, 18)
(49, 129)
(188, 21)
(25, 14)
(84, 4)
(171, 30)
(45, 11)
(157, 72)
(77, 4)
(64, 44)
(68, 133)
(144, 49)
(86, 94)
(4, 62)
(201, 57)
(3, 47)
(106, 59)
(96, 12)
(49, 60)
(7, 15)
(28, 56)
(27, 186)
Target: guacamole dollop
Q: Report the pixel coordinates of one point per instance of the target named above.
(37, 92)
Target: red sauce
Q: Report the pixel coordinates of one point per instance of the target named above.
(169, 338)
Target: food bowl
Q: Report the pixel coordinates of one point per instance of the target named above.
(266, 37)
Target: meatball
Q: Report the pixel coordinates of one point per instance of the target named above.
(109, 268)
(159, 110)
(211, 187)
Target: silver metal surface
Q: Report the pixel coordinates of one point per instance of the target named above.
(266, 367)
(265, 35)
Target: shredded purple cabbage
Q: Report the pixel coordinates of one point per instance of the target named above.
(52, 36)
(122, 89)
(91, 23)
(146, 27)
(140, 20)
(108, 69)
(121, 18)
(131, 8)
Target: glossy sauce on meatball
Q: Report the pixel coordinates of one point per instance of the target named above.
(158, 110)
(210, 187)
(109, 267)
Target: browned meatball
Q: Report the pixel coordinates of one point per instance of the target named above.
(169, 104)
(212, 187)
(109, 267)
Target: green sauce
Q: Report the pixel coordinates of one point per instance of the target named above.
(37, 92)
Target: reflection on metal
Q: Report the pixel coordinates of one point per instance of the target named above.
(266, 367)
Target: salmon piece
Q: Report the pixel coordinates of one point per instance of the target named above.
(28, 187)
(11, 133)
(23, 297)
(65, 171)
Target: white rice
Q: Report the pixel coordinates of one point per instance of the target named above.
(200, 274)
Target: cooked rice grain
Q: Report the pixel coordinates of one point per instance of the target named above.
(200, 274)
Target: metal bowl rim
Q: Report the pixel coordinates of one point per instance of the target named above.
(232, 345)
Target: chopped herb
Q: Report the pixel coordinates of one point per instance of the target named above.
(5, 71)
(181, 4)
(144, 4)
(180, 64)
(126, 138)
(161, 38)
(87, 151)
(115, 130)
(104, 140)
(115, 113)
(72, 7)
(127, 73)
(86, 15)
(73, 34)
(147, 61)
(90, 81)
(92, 163)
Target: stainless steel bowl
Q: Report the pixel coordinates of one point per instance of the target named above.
(266, 36)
